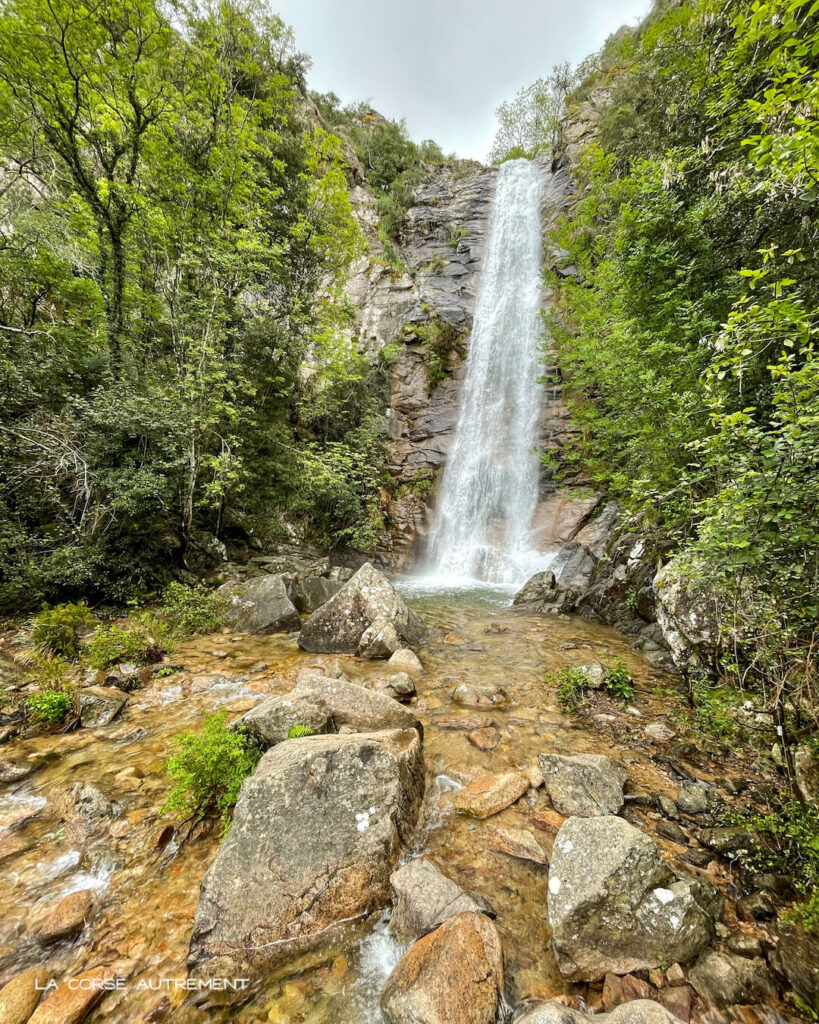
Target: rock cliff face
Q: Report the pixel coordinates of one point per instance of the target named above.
(417, 303)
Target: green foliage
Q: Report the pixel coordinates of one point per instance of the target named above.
(787, 843)
(178, 234)
(208, 769)
(806, 913)
(688, 344)
(189, 610)
(140, 641)
(440, 339)
(51, 706)
(619, 683)
(572, 686)
(297, 731)
(54, 631)
(167, 670)
(529, 124)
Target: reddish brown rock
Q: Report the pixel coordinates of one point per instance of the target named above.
(19, 998)
(490, 794)
(74, 999)
(68, 917)
(617, 990)
(517, 842)
(548, 819)
(484, 739)
(454, 975)
(677, 1000)
(465, 724)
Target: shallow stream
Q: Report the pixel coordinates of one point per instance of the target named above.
(147, 895)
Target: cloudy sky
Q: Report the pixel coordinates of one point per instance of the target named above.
(445, 65)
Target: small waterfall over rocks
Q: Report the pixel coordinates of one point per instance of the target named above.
(482, 524)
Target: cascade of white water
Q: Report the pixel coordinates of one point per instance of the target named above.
(483, 519)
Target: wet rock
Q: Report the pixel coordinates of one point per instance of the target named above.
(423, 898)
(467, 724)
(640, 1011)
(14, 771)
(666, 806)
(357, 707)
(68, 917)
(261, 605)
(490, 794)
(399, 686)
(616, 906)
(339, 625)
(723, 979)
(538, 592)
(484, 739)
(726, 840)
(406, 660)
(380, 640)
(12, 845)
(311, 592)
(100, 705)
(85, 811)
(669, 830)
(585, 784)
(758, 906)
(452, 976)
(617, 990)
(595, 673)
(659, 732)
(74, 1000)
(316, 831)
(467, 695)
(745, 945)
(806, 767)
(271, 721)
(677, 1001)
(797, 957)
(19, 998)
(692, 798)
(573, 568)
(517, 842)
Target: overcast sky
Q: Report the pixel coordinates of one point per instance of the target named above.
(445, 65)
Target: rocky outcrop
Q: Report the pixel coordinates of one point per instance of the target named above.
(260, 605)
(615, 905)
(687, 616)
(316, 832)
(270, 722)
(797, 957)
(344, 624)
(355, 708)
(587, 785)
(423, 898)
(452, 976)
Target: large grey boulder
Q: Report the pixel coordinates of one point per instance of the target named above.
(615, 905)
(316, 832)
(797, 957)
(339, 625)
(310, 592)
(563, 584)
(357, 708)
(452, 976)
(260, 605)
(423, 898)
(271, 721)
(638, 1011)
(688, 617)
(538, 592)
(585, 784)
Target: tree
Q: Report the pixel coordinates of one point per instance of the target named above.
(529, 123)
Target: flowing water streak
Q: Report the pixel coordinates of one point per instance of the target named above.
(482, 525)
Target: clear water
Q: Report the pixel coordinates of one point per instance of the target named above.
(482, 524)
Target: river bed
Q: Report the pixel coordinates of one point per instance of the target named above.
(146, 895)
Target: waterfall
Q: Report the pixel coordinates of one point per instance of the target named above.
(482, 523)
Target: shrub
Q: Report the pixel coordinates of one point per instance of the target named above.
(50, 706)
(55, 630)
(189, 610)
(572, 686)
(208, 770)
(619, 683)
(140, 641)
(297, 731)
